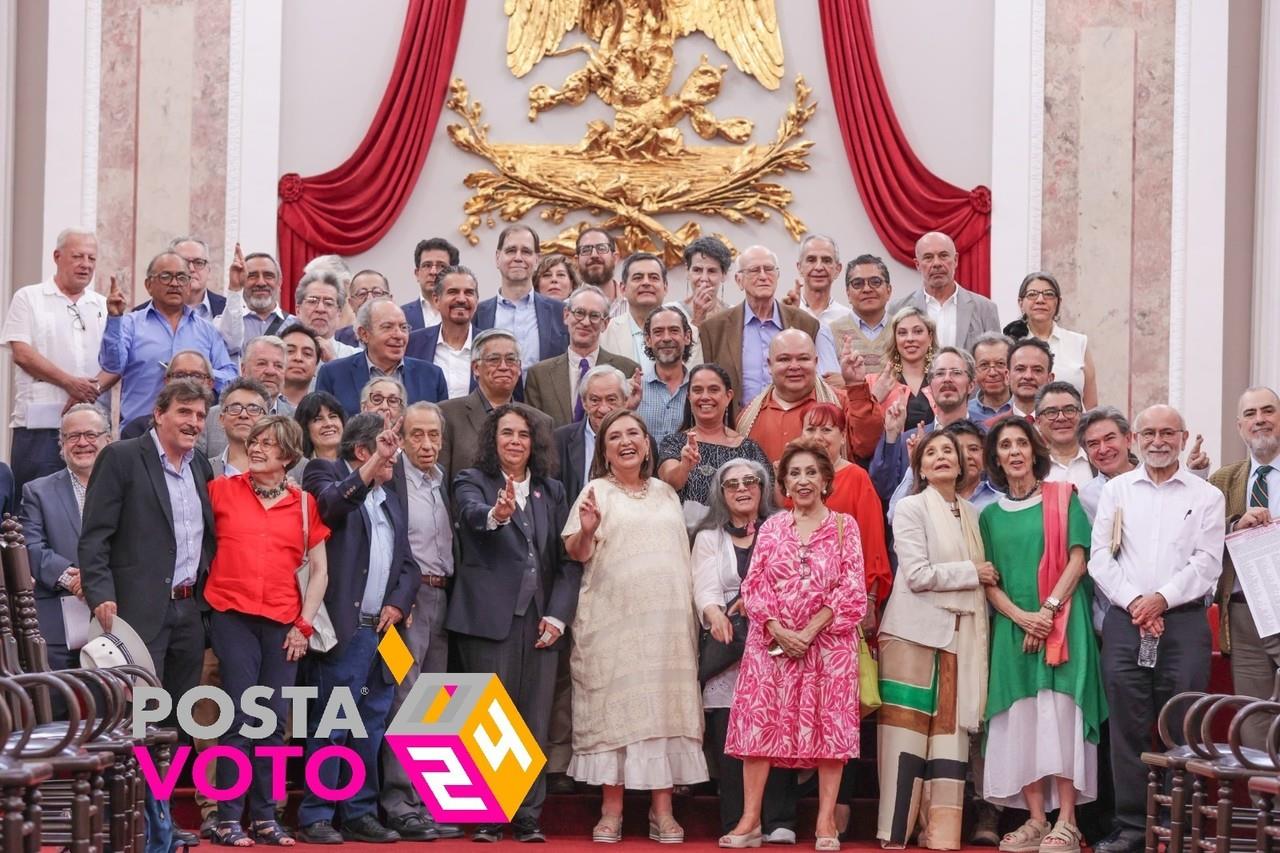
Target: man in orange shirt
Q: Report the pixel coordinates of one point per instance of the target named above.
(776, 416)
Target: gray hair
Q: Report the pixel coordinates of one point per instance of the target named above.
(87, 407)
(204, 359)
(970, 367)
(374, 380)
(756, 247)
(178, 241)
(361, 430)
(1182, 422)
(265, 341)
(804, 244)
(324, 276)
(1097, 415)
(1057, 387)
(586, 288)
(453, 269)
(364, 317)
(718, 515)
(988, 338)
(607, 371)
(75, 231)
(481, 341)
(330, 263)
(244, 383)
(421, 406)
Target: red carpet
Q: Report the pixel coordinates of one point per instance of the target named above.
(558, 843)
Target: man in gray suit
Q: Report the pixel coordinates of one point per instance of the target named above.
(495, 362)
(51, 508)
(960, 315)
(265, 359)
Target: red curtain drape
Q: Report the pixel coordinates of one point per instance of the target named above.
(348, 209)
(902, 197)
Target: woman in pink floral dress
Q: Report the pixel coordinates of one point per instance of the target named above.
(796, 704)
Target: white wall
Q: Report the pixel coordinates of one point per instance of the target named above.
(939, 78)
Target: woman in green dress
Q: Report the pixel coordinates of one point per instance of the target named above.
(1045, 703)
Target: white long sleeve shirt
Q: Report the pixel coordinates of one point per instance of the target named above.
(1172, 538)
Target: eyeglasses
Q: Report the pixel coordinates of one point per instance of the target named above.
(764, 270)
(198, 375)
(168, 278)
(77, 322)
(1033, 295)
(238, 409)
(316, 301)
(87, 435)
(743, 483)
(992, 366)
(583, 314)
(433, 265)
(496, 359)
(196, 263)
(1162, 434)
(385, 399)
(370, 293)
(875, 283)
(264, 443)
(949, 373)
(595, 249)
(1065, 412)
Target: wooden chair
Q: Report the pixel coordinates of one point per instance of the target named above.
(1171, 764)
(20, 812)
(1264, 790)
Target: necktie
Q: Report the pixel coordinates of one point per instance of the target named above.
(583, 366)
(1258, 494)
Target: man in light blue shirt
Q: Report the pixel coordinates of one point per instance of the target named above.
(138, 346)
(665, 387)
(536, 321)
(994, 397)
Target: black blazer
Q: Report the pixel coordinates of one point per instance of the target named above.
(487, 583)
(339, 495)
(127, 545)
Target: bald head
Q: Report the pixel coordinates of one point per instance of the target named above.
(936, 258)
(1160, 413)
(793, 364)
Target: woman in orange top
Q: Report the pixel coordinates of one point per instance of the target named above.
(260, 623)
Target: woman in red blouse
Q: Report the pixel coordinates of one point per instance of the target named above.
(260, 623)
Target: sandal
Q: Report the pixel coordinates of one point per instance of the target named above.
(664, 829)
(608, 830)
(270, 832)
(229, 833)
(826, 842)
(1026, 838)
(1066, 833)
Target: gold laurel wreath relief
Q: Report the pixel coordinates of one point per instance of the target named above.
(638, 166)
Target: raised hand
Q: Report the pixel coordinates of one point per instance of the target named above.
(389, 441)
(589, 512)
(635, 390)
(505, 506)
(883, 386)
(914, 438)
(235, 272)
(704, 302)
(689, 455)
(853, 367)
(793, 296)
(115, 299)
(895, 421)
(1197, 459)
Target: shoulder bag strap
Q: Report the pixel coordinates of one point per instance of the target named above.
(306, 530)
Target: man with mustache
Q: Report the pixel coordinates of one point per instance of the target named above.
(866, 284)
(253, 300)
(320, 298)
(1156, 556)
(448, 344)
(960, 314)
(991, 356)
(597, 257)
(1030, 369)
(1248, 487)
(137, 346)
(536, 321)
(430, 258)
(665, 381)
(206, 303)
(644, 284)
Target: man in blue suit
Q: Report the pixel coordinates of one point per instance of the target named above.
(430, 258)
(537, 321)
(447, 344)
(373, 582)
(384, 333)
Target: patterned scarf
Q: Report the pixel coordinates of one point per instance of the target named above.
(822, 393)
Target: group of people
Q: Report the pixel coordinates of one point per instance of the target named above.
(678, 530)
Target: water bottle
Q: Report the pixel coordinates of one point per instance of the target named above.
(1147, 647)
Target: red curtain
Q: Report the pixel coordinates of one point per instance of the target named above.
(902, 197)
(348, 209)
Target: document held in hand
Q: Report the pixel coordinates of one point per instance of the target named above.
(1255, 553)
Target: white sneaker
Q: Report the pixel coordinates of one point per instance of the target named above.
(781, 835)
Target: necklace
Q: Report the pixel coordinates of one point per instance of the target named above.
(270, 493)
(635, 494)
(749, 529)
(1034, 491)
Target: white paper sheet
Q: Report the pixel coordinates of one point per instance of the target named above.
(75, 618)
(1255, 553)
(44, 415)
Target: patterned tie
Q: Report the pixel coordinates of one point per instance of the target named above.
(583, 367)
(1258, 494)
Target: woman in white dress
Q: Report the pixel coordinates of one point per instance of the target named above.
(1040, 300)
(637, 709)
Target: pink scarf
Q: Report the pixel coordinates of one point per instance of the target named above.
(1056, 499)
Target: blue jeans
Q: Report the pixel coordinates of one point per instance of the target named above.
(357, 666)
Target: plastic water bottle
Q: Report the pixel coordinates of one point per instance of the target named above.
(1147, 646)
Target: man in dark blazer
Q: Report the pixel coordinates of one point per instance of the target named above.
(447, 343)
(603, 390)
(963, 316)
(547, 384)
(495, 362)
(51, 525)
(369, 536)
(147, 535)
(517, 257)
(515, 591)
(727, 335)
(385, 334)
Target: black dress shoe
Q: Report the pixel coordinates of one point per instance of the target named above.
(320, 832)
(186, 838)
(413, 827)
(207, 825)
(528, 831)
(489, 833)
(560, 783)
(367, 829)
(1120, 841)
(447, 831)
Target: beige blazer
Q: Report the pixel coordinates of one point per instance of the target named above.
(913, 612)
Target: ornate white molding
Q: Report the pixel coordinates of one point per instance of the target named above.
(235, 124)
(92, 112)
(1265, 360)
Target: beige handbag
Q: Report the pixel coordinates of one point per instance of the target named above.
(323, 636)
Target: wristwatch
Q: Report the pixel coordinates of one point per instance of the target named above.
(1053, 604)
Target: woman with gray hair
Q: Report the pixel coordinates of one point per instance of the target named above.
(739, 503)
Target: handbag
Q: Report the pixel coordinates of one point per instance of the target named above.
(714, 657)
(868, 665)
(323, 635)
